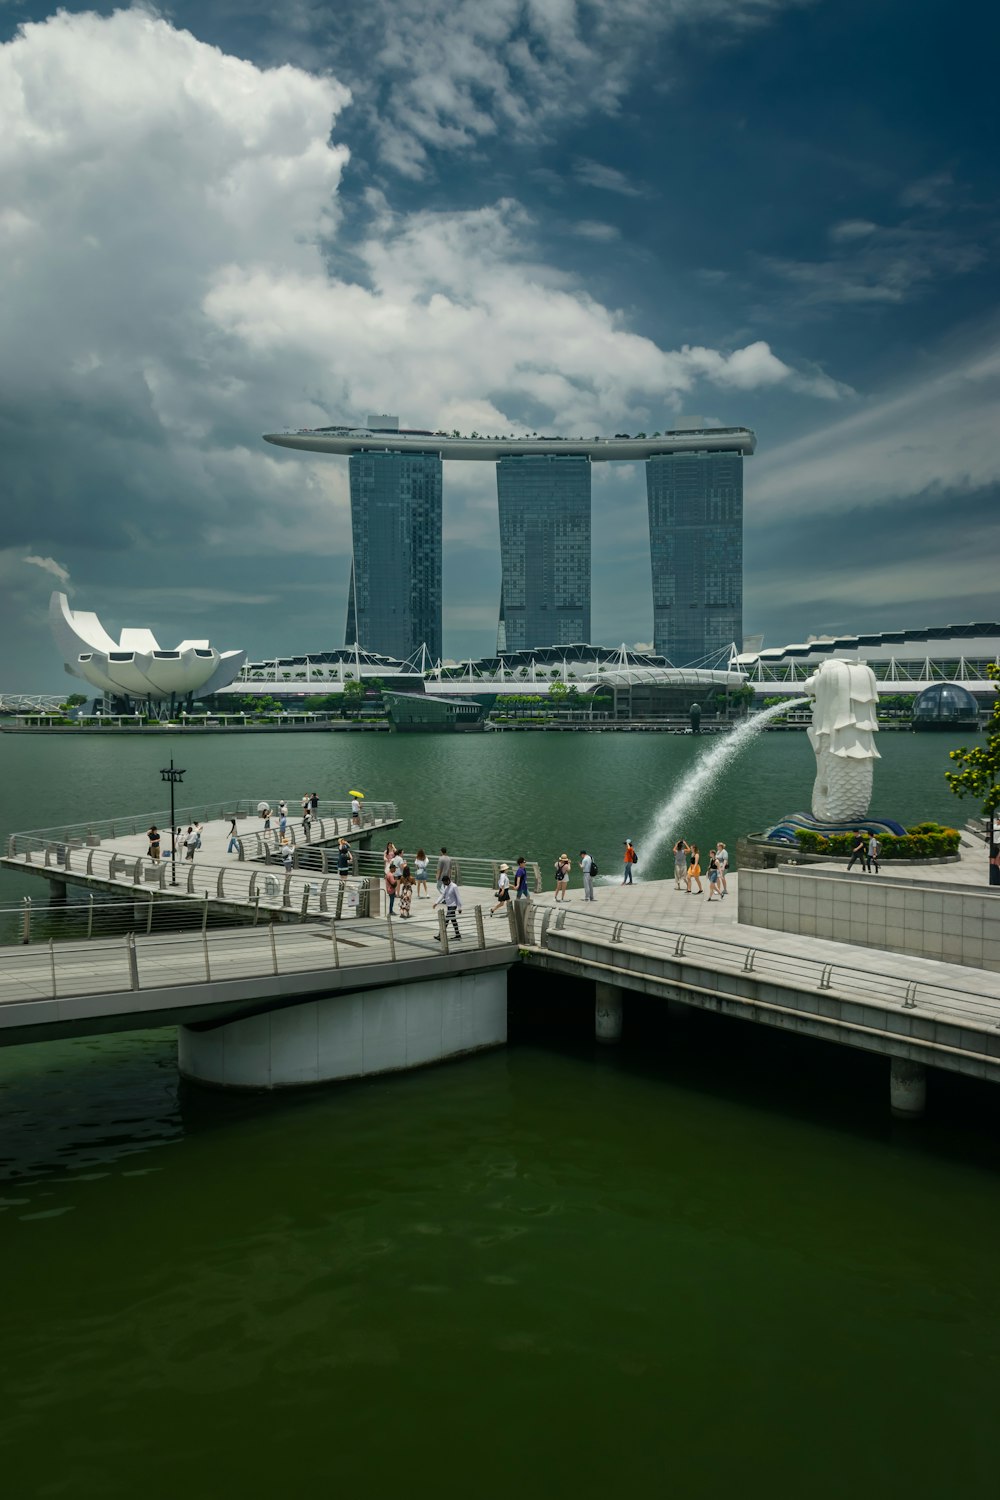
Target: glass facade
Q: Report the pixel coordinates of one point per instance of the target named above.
(696, 551)
(544, 505)
(394, 604)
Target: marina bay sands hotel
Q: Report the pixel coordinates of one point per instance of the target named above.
(694, 488)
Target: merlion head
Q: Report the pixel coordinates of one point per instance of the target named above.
(845, 698)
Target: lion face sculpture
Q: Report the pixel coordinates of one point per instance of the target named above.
(845, 700)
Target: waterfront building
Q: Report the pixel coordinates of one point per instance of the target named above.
(904, 661)
(394, 599)
(695, 502)
(544, 508)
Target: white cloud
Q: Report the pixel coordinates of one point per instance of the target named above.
(594, 229)
(609, 179)
(936, 431)
(49, 565)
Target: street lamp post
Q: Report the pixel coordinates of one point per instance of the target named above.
(171, 774)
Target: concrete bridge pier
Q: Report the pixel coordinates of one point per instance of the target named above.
(607, 1012)
(57, 891)
(907, 1088)
(382, 1030)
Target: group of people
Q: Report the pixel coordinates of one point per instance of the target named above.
(185, 845)
(401, 881)
(867, 849)
(688, 870)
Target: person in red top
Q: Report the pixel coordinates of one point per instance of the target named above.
(630, 860)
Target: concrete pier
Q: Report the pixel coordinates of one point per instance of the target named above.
(381, 1030)
(907, 1088)
(607, 1012)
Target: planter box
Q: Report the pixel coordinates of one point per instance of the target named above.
(151, 874)
(93, 841)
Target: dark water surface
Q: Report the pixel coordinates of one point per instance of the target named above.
(705, 1262)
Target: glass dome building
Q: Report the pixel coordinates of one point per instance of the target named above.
(945, 705)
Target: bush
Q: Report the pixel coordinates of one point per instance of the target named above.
(922, 841)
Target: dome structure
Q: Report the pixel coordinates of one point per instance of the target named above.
(945, 705)
(136, 666)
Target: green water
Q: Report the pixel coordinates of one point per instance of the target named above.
(705, 1262)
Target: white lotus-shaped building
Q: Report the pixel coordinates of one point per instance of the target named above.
(135, 666)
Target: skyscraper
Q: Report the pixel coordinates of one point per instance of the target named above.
(544, 504)
(394, 606)
(696, 550)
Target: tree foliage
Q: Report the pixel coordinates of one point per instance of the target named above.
(980, 773)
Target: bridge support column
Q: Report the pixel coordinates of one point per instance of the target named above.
(350, 1036)
(57, 890)
(607, 1012)
(907, 1088)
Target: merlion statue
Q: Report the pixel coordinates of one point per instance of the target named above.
(844, 722)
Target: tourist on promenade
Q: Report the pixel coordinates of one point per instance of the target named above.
(521, 879)
(420, 874)
(722, 861)
(503, 889)
(314, 803)
(282, 819)
(390, 886)
(266, 815)
(859, 851)
(694, 869)
(345, 859)
(631, 858)
(443, 870)
(405, 882)
(874, 850)
(587, 866)
(190, 843)
(197, 834)
(305, 804)
(306, 825)
(562, 877)
(451, 900)
(713, 876)
(287, 859)
(154, 843)
(680, 863)
(355, 812)
(282, 808)
(234, 843)
(178, 850)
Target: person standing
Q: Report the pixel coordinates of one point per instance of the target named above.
(587, 867)
(266, 815)
(190, 843)
(631, 858)
(153, 851)
(503, 889)
(355, 812)
(282, 820)
(713, 876)
(722, 861)
(443, 870)
(287, 859)
(694, 869)
(562, 877)
(306, 825)
(521, 879)
(314, 803)
(345, 859)
(420, 874)
(305, 804)
(198, 830)
(234, 843)
(390, 886)
(859, 850)
(405, 883)
(874, 850)
(680, 863)
(451, 900)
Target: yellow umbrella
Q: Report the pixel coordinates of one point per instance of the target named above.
(357, 794)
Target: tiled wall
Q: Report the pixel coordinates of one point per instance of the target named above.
(960, 926)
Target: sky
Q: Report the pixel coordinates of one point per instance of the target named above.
(574, 216)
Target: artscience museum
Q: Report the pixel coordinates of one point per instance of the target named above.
(136, 668)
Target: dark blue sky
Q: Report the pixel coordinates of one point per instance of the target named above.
(527, 212)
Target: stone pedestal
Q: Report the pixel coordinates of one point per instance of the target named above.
(350, 1036)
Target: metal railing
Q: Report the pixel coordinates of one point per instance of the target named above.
(473, 870)
(132, 824)
(53, 970)
(867, 985)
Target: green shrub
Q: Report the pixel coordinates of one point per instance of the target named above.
(922, 841)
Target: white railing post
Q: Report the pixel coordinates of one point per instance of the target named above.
(26, 918)
(333, 941)
(204, 945)
(274, 951)
(480, 931)
(133, 961)
(392, 940)
(443, 929)
(52, 963)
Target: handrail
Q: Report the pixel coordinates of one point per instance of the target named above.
(687, 947)
(54, 971)
(128, 824)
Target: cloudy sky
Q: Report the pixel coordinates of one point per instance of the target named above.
(583, 216)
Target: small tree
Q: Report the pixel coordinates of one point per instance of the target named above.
(980, 773)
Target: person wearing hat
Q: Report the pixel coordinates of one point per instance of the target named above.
(503, 889)
(562, 876)
(630, 859)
